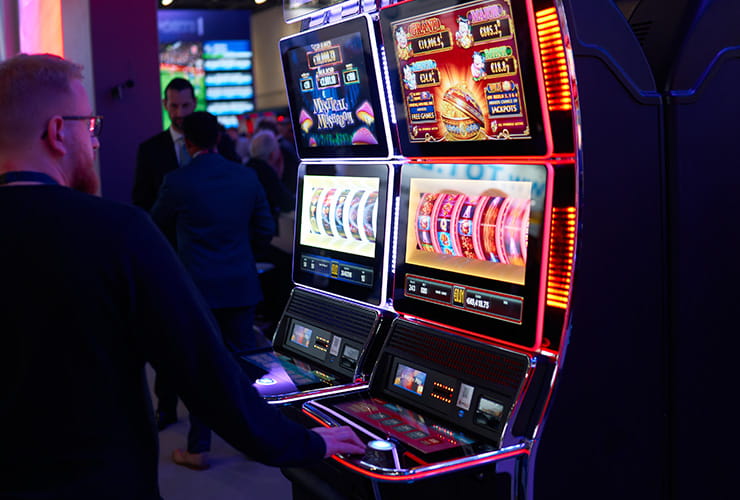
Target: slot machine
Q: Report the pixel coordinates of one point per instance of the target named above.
(337, 313)
(485, 109)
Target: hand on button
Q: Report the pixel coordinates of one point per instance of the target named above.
(340, 440)
(380, 453)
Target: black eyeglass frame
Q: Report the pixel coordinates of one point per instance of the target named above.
(95, 123)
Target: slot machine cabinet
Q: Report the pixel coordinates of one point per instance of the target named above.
(702, 180)
(605, 433)
(421, 396)
(329, 334)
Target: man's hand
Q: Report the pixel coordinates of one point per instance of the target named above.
(340, 440)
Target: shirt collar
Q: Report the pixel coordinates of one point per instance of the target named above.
(176, 136)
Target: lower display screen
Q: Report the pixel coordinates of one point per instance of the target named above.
(410, 379)
(333, 352)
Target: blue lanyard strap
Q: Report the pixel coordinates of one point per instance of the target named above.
(23, 176)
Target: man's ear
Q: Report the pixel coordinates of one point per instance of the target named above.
(54, 136)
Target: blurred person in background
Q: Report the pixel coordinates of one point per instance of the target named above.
(215, 211)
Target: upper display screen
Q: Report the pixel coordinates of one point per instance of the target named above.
(296, 10)
(336, 98)
(463, 72)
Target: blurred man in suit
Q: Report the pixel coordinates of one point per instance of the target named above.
(216, 210)
(165, 151)
(283, 131)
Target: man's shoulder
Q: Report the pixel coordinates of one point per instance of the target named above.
(95, 210)
(219, 161)
(241, 170)
(105, 204)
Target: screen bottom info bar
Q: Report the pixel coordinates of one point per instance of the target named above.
(337, 269)
(485, 302)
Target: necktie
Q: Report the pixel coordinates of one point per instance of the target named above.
(184, 155)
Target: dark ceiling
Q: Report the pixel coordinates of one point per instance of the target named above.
(221, 4)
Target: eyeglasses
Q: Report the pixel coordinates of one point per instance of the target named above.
(94, 124)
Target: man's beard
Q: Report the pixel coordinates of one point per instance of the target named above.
(86, 181)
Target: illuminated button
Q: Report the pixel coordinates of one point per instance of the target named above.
(266, 381)
(380, 454)
(380, 445)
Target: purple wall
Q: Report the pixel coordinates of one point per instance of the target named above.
(124, 47)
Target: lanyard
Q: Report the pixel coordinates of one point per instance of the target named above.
(23, 176)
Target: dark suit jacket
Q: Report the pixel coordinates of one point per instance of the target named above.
(156, 158)
(216, 209)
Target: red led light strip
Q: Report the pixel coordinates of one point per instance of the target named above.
(554, 66)
(562, 250)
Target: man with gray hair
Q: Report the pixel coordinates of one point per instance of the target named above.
(267, 160)
(91, 293)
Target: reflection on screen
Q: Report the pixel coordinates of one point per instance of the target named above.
(301, 335)
(489, 413)
(351, 353)
(410, 379)
(294, 10)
